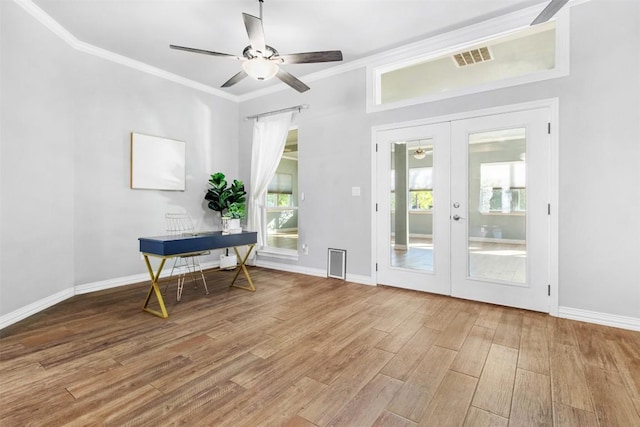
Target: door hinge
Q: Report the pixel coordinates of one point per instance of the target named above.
(376, 266)
(548, 208)
(549, 128)
(376, 148)
(548, 290)
(376, 207)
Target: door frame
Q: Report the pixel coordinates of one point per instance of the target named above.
(554, 109)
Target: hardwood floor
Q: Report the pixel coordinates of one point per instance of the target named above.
(307, 351)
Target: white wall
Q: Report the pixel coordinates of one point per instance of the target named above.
(599, 219)
(37, 166)
(68, 215)
(599, 159)
(110, 102)
(333, 155)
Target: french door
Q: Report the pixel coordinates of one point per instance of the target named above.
(413, 199)
(463, 208)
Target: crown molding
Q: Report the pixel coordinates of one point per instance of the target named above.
(90, 49)
(427, 47)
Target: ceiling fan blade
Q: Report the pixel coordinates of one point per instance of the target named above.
(292, 81)
(310, 57)
(206, 52)
(255, 32)
(547, 13)
(235, 79)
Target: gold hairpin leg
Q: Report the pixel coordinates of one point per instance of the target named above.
(155, 289)
(243, 268)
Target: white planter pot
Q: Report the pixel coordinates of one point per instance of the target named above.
(234, 225)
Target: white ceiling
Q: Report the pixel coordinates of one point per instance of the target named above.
(143, 29)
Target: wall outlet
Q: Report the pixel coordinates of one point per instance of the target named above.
(305, 249)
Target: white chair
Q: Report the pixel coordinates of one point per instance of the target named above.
(180, 224)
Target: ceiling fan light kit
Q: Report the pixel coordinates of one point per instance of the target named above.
(262, 62)
(260, 68)
(419, 154)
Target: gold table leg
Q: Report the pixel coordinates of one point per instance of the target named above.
(154, 288)
(244, 269)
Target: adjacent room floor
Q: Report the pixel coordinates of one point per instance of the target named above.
(487, 260)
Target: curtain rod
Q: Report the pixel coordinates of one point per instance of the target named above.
(270, 113)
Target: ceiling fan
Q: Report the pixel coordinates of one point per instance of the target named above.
(547, 13)
(262, 62)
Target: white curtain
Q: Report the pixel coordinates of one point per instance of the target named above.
(269, 137)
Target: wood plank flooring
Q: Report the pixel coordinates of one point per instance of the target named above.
(307, 351)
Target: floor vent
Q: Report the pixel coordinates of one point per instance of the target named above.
(474, 56)
(337, 264)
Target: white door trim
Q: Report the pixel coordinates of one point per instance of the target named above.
(554, 106)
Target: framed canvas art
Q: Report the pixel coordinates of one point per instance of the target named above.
(157, 163)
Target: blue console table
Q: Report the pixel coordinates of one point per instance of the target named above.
(166, 247)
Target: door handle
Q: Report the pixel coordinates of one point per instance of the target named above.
(457, 217)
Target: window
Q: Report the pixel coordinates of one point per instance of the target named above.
(280, 191)
(489, 55)
(281, 204)
(420, 189)
(503, 187)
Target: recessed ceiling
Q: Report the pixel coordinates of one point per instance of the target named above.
(143, 29)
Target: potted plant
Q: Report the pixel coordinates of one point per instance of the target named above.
(236, 211)
(229, 200)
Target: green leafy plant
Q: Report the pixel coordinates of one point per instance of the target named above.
(236, 210)
(222, 197)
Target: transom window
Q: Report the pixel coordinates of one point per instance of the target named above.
(494, 56)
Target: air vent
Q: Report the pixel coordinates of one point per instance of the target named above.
(337, 264)
(474, 56)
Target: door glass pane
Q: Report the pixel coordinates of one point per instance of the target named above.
(497, 205)
(412, 205)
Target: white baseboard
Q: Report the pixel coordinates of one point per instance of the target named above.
(112, 283)
(128, 280)
(616, 321)
(496, 240)
(291, 268)
(354, 278)
(35, 307)
(623, 322)
(362, 280)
